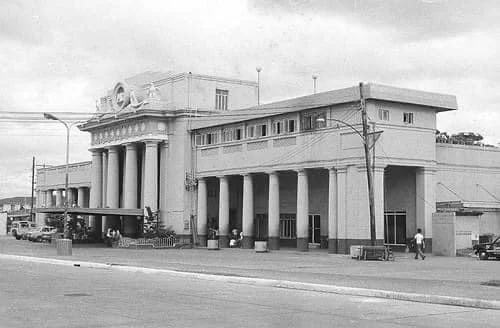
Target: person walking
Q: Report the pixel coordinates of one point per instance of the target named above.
(419, 244)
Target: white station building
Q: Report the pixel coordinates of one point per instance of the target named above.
(200, 150)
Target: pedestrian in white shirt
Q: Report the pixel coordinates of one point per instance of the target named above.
(419, 244)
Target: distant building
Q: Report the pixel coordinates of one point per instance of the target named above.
(289, 172)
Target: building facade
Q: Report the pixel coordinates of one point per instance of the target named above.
(199, 150)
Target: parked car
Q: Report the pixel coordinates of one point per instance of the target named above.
(36, 234)
(21, 227)
(487, 250)
(47, 236)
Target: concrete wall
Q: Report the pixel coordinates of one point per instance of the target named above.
(54, 177)
(489, 222)
(467, 224)
(444, 234)
(198, 92)
(471, 172)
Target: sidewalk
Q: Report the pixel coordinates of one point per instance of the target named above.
(455, 277)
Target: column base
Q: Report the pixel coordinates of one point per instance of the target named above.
(303, 244)
(273, 243)
(247, 242)
(202, 240)
(332, 246)
(323, 242)
(224, 241)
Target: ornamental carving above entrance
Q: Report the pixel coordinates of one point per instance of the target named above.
(125, 132)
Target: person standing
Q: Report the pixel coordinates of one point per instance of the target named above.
(419, 244)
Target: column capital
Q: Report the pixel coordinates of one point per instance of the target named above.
(302, 171)
(220, 177)
(341, 169)
(246, 174)
(130, 145)
(112, 148)
(331, 168)
(273, 172)
(151, 142)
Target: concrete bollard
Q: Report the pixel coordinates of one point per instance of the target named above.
(64, 247)
(212, 244)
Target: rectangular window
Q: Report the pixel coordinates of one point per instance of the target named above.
(261, 130)
(383, 114)
(237, 134)
(211, 138)
(251, 131)
(221, 97)
(288, 226)
(311, 121)
(199, 140)
(290, 126)
(408, 118)
(278, 127)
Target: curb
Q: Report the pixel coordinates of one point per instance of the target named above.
(352, 291)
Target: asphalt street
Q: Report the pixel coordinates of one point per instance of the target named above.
(44, 295)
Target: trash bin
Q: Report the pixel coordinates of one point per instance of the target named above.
(64, 247)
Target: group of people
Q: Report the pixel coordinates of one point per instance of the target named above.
(112, 235)
(236, 239)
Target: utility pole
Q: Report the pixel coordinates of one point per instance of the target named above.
(32, 187)
(369, 174)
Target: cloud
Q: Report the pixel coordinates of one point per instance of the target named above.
(59, 56)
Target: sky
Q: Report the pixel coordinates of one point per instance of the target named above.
(60, 56)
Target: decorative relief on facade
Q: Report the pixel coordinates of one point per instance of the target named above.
(126, 131)
(285, 142)
(232, 149)
(209, 152)
(257, 145)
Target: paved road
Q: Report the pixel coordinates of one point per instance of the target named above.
(44, 295)
(457, 277)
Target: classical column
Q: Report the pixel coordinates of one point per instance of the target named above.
(332, 211)
(274, 211)
(104, 184)
(81, 197)
(202, 211)
(59, 198)
(49, 199)
(302, 211)
(95, 198)
(425, 202)
(71, 197)
(163, 183)
(378, 187)
(130, 188)
(342, 211)
(151, 175)
(248, 212)
(223, 211)
(112, 187)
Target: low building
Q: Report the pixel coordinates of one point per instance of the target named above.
(200, 151)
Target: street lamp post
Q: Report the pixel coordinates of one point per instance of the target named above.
(49, 116)
(364, 134)
(314, 77)
(258, 69)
